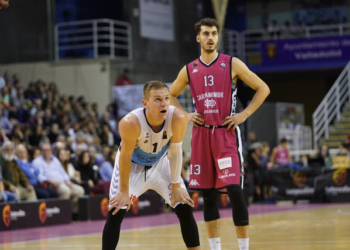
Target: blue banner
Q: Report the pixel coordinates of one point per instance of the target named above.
(302, 51)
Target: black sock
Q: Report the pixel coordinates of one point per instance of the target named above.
(111, 230)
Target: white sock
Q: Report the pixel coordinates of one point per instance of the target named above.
(215, 243)
(243, 244)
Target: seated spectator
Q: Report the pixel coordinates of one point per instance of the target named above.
(53, 134)
(79, 142)
(88, 172)
(124, 79)
(14, 178)
(287, 31)
(64, 155)
(280, 154)
(48, 120)
(106, 169)
(16, 131)
(6, 196)
(5, 123)
(36, 120)
(51, 171)
(107, 136)
(300, 30)
(274, 30)
(343, 149)
(38, 137)
(32, 174)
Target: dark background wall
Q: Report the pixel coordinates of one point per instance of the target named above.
(24, 32)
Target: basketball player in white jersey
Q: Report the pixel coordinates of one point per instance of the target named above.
(150, 157)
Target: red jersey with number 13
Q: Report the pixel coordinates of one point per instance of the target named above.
(213, 91)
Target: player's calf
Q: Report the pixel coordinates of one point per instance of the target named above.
(111, 231)
(188, 225)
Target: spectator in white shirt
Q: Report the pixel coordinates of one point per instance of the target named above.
(51, 171)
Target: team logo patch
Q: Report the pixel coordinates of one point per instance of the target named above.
(223, 65)
(146, 135)
(165, 136)
(145, 141)
(209, 103)
(195, 64)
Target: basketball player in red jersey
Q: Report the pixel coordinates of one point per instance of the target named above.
(216, 149)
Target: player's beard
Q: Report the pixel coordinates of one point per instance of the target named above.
(209, 50)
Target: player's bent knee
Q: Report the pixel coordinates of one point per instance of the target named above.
(188, 224)
(239, 208)
(211, 209)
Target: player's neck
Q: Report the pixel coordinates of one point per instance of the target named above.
(154, 122)
(208, 57)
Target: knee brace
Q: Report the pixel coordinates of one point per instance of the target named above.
(188, 225)
(211, 209)
(239, 208)
(111, 231)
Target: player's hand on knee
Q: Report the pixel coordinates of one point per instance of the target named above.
(120, 200)
(179, 194)
(234, 121)
(195, 118)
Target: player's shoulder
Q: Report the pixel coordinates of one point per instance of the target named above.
(193, 64)
(179, 117)
(130, 122)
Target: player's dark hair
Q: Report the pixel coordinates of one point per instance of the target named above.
(206, 22)
(152, 85)
(284, 140)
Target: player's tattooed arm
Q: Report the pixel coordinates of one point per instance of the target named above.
(178, 126)
(130, 130)
(241, 71)
(175, 90)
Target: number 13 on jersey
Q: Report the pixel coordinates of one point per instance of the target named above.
(209, 80)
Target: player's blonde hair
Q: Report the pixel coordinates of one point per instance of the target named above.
(152, 85)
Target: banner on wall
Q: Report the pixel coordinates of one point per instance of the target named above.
(128, 98)
(287, 183)
(313, 50)
(156, 19)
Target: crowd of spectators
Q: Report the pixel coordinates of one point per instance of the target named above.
(259, 159)
(53, 145)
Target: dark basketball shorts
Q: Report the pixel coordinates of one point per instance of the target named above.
(216, 158)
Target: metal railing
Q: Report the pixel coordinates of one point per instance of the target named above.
(231, 44)
(93, 38)
(331, 106)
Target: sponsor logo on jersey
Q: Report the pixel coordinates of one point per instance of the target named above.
(147, 135)
(210, 95)
(209, 103)
(223, 65)
(195, 64)
(165, 136)
(225, 163)
(225, 171)
(146, 159)
(195, 70)
(194, 182)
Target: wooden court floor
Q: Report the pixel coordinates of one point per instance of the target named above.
(310, 229)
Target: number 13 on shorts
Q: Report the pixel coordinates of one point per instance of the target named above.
(195, 169)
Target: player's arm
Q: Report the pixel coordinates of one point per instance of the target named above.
(176, 89)
(130, 130)
(178, 126)
(240, 70)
